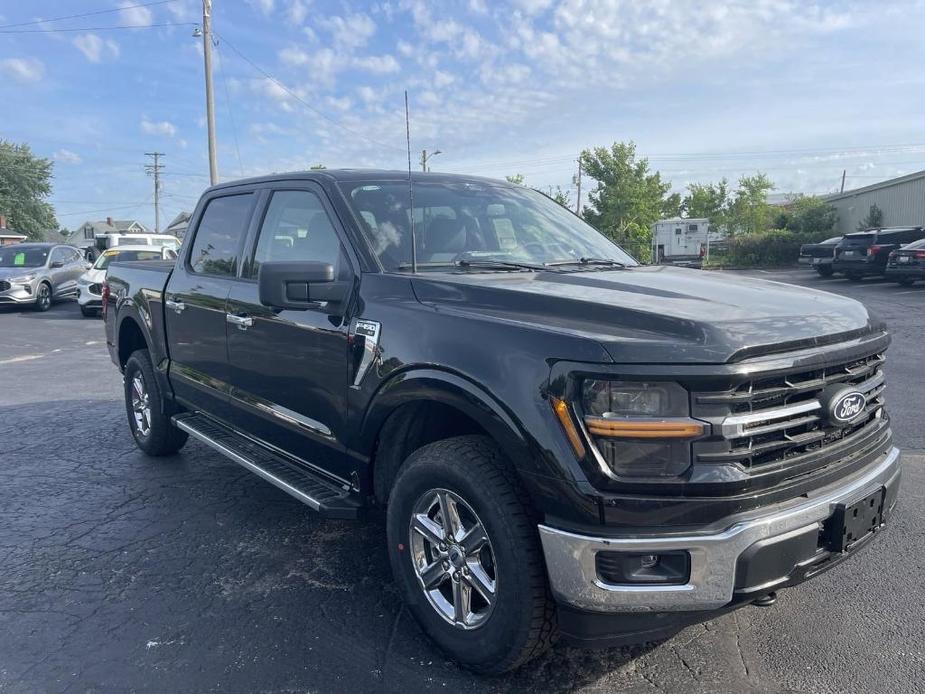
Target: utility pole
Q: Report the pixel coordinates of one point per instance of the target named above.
(210, 101)
(578, 197)
(843, 172)
(425, 157)
(155, 170)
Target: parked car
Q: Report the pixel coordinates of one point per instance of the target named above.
(564, 441)
(36, 274)
(907, 264)
(866, 253)
(820, 255)
(105, 241)
(90, 284)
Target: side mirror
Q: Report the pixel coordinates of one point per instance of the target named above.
(55, 264)
(299, 285)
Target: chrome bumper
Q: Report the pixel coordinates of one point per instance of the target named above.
(570, 558)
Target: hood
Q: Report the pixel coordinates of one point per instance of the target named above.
(93, 276)
(656, 314)
(6, 272)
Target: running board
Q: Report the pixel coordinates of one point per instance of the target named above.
(327, 497)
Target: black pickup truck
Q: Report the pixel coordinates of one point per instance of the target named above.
(565, 442)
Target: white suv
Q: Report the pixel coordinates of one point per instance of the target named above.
(90, 284)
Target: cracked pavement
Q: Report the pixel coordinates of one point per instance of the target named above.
(189, 574)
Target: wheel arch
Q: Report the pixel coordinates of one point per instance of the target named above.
(416, 407)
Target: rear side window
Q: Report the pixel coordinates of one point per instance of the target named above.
(219, 235)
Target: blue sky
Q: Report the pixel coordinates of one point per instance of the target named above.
(800, 90)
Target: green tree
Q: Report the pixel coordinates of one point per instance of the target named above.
(749, 212)
(516, 179)
(25, 183)
(708, 201)
(317, 167)
(873, 220)
(808, 214)
(627, 200)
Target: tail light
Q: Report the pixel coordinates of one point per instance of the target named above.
(703, 250)
(919, 255)
(874, 250)
(104, 297)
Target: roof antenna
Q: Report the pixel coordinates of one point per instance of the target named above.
(414, 245)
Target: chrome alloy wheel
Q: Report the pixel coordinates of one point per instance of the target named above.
(141, 406)
(44, 297)
(453, 558)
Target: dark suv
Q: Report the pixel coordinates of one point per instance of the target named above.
(865, 253)
(565, 442)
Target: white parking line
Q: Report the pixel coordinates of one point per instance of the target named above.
(26, 357)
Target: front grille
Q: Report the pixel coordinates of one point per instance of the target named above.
(775, 421)
(4, 285)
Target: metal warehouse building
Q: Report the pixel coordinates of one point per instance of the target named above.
(902, 201)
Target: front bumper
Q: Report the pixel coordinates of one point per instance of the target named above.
(719, 562)
(19, 293)
(87, 298)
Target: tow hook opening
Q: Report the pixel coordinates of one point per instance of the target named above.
(765, 600)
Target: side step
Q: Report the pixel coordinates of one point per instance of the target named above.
(326, 497)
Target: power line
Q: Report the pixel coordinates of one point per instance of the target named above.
(234, 128)
(86, 14)
(109, 28)
(301, 100)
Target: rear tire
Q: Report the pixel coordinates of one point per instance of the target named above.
(88, 312)
(824, 270)
(518, 622)
(906, 281)
(144, 404)
(854, 276)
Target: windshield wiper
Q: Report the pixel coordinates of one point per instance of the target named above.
(497, 265)
(588, 261)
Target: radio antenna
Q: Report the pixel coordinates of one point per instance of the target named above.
(414, 245)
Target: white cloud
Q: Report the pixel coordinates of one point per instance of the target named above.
(67, 156)
(22, 69)
(350, 32)
(263, 6)
(273, 90)
(533, 6)
(322, 64)
(163, 127)
(293, 56)
(443, 79)
(340, 104)
(94, 48)
(377, 64)
(184, 10)
(478, 6)
(134, 15)
(405, 48)
(298, 11)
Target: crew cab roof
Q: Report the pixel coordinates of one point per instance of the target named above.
(354, 175)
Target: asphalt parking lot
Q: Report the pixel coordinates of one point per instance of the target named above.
(188, 574)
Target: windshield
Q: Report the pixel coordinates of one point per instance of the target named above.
(474, 222)
(103, 261)
(23, 256)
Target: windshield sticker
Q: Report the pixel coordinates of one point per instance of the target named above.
(19, 259)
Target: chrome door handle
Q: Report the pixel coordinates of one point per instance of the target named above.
(177, 306)
(243, 322)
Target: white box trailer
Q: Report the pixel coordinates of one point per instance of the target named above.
(682, 241)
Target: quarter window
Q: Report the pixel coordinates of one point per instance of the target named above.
(296, 227)
(218, 237)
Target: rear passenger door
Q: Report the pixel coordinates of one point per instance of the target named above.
(195, 302)
(288, 368)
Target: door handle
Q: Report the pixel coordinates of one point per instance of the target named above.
(243, 322)
(177, 306)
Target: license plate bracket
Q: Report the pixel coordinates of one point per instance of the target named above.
(852, 523)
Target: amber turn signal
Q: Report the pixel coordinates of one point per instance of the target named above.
(644, 428)
(562, 414)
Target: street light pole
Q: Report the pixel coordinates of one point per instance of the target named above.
(425, 157)
(210, 101)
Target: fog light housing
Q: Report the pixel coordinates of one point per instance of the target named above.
(633, 568)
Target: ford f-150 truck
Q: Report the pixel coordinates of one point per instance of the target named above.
(565, 442)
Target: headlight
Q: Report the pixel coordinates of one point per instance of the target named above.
(640, 430)
(22, 279)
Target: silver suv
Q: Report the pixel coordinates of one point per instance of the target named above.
(38, 273)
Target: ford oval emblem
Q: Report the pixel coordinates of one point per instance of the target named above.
(847, 406)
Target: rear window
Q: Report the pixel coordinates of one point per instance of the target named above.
(915, 246)
(858, 239)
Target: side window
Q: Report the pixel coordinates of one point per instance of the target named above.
(73, 255)
(58, 255)
(218, 237)
(296, 227)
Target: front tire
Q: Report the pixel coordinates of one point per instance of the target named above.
(466, 555)
(150, 426)
(88, 312)
(906, 281)
(824, 270)
(43, 297)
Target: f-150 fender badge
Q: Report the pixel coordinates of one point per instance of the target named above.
(364, 336)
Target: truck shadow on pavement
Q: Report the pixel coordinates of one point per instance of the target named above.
(189, 572)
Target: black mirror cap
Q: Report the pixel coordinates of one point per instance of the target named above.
(299, 285)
